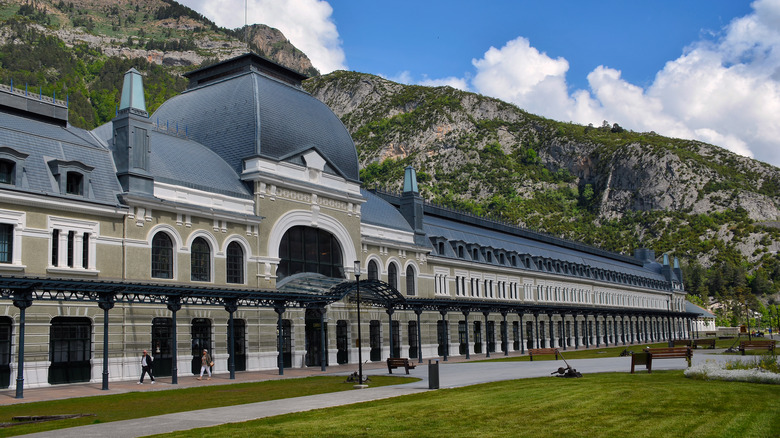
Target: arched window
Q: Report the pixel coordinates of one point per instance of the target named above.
(162, 256)
(306, 249)
(200, 260)
(392, 275)
(410, 281)
(235, 263)
(373, 270)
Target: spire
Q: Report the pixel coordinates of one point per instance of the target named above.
(410, 180)
(133, 92)
(411, 205)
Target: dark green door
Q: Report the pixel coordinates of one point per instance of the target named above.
(162, 342)
(70, 350)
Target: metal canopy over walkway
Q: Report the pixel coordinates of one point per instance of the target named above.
(306, 290)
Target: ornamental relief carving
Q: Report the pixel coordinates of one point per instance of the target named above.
(294, 195)
(309, 198)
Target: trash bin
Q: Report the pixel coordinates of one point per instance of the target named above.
(433, 374)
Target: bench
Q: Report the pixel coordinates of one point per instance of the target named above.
(704, 343)
(538, 351)
(398, 362)
(648, 354)
(682, 343)
(757, 345)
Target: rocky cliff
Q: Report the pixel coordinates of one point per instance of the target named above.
(476, 151)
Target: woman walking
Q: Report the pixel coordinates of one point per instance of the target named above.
(205, 364)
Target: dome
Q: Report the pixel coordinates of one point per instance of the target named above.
(249, 107)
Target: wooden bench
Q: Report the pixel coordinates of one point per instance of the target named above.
(660, 353)
(757, 345)
(704, 343)
(682, 343)
(398, 362)
(538, 351)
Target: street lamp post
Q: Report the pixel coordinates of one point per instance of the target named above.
(360, 339)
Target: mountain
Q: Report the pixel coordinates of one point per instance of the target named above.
(601, 185)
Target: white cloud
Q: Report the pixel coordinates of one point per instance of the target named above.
(522, 75)
(308, 24)
(452, 81)
(724, 91)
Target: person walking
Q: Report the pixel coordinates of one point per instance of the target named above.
(205, 364)
(146, 367)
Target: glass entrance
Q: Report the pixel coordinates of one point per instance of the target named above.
(239, 344)
(462, 346)
(441, 332)
(286, 343)
(5, 351)
(375, 337)
(162, 343)
(201, 340)
(412, 335)
(477, 337)
(396, 328)
(314, 339)
(70, 350)
(342, 342)
(491, 336)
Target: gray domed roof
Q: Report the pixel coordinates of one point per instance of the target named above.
(243, 113)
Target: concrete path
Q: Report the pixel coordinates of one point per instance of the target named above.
(452, 374)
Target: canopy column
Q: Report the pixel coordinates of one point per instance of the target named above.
(279, 309)
(231, 306)
(466, 319)
(105, 302)
(22, 300)
(174, 305)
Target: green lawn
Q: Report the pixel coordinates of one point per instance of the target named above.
(662, 404)
(148, 403)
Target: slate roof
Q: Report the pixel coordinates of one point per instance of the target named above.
(700, 311)
(250, 115)
(377, 211)
(44, 142)
(452, 230)
(181, 161)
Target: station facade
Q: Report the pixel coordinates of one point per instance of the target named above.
(231, 220)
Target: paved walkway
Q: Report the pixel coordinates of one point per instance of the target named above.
(455, 373)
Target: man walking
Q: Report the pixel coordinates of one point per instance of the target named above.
(146, 367)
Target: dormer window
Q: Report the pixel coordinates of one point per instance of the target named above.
(72, 177)
(514, 260)
(441, 248)
(501, 259)
(489, 256)
(11, 166)
(74, 184)
(460, 252)
(475, 256)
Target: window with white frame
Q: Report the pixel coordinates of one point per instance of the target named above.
(73, 245)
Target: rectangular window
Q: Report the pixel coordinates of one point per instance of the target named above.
(85, 252)
(55, 247)
(74, 184)
(6, 243)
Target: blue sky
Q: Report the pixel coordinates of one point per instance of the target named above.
(700, 69)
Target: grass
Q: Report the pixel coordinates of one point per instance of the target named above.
(664, 403)
(149, 403)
